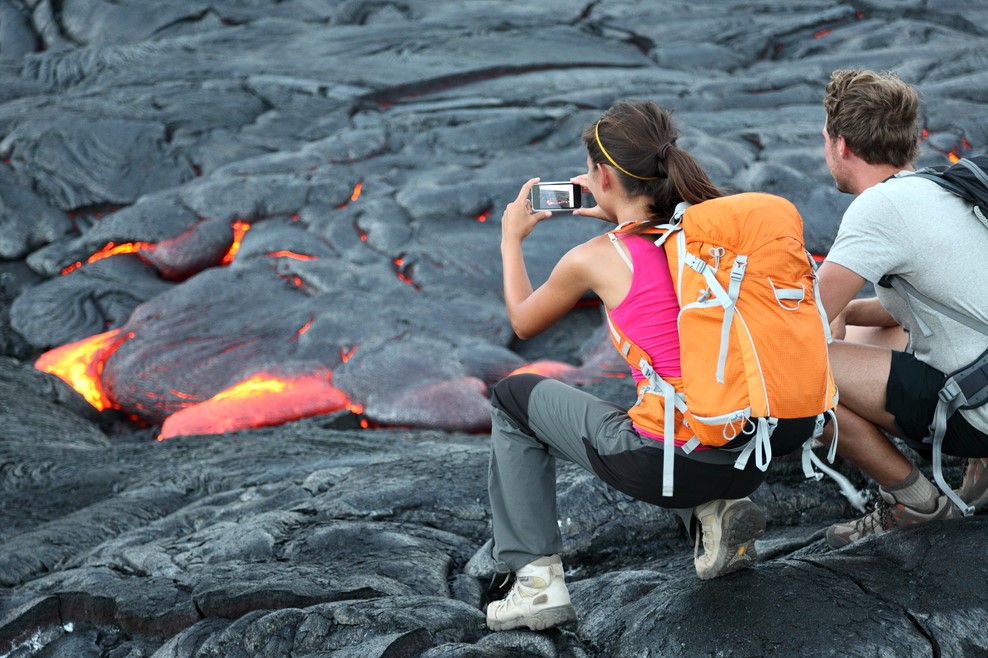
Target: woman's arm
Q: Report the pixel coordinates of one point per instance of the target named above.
(533, 311)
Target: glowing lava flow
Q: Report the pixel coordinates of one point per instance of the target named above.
(553, 369)
(291, 254)
(112, 249)
(261, 400)
(80, 365)
(239, 229)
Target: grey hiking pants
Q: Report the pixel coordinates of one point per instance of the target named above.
(536, 420)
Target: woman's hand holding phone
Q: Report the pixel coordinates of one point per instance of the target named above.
(518, 219)
(594, 211)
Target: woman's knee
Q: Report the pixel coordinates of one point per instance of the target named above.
(511, 395)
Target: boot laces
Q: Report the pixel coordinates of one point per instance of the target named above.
(879, 520)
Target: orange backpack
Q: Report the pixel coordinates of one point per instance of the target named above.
(753, 338)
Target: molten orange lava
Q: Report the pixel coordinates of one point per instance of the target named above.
(291, 254)
(239, 229)
(80, 365)
(259, 401)
(400, 270)
(953, 157)
(112, 249)
(482, 217)
(356, 191)
(544, 368)
(302, 330)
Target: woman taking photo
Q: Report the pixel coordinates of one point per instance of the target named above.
(637, 175)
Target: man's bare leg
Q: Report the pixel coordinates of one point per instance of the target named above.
(861, 372)
(907, 497)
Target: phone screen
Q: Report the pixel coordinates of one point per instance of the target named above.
(560, 196)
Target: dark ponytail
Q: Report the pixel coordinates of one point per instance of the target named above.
(638, 139)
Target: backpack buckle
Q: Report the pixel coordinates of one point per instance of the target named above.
(951, 389)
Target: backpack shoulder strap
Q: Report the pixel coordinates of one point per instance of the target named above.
(967, 178)
(980, 171)
(909, 292)
(937, 177)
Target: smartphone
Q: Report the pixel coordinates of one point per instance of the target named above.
(556, 197)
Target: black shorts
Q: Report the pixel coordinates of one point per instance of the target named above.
(911, 397)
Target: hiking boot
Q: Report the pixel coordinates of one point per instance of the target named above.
(887, 514)
(974, 487)
(728, 529)
(538, 599)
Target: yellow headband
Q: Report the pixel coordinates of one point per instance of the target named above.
(596, 132)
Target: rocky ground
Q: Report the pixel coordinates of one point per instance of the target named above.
(367, 147)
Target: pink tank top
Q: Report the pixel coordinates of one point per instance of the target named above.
(649, 312)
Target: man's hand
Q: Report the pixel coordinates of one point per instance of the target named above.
(838, 327)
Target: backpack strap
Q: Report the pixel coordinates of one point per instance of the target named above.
(910, 293)
(952, 178)
(966, 388)
(857, 497)
(978, 172)
(621, 252)
(672, 399)
(726, 298)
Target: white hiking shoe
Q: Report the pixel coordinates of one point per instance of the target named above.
(538, 600)
(728, 529)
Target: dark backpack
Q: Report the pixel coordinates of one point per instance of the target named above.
(968, 179)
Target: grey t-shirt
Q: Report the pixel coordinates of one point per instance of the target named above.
(914, 228)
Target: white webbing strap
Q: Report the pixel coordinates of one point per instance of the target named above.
(623, 345)
(819, 304)
(669, 230)
(832, 453)
(624, 256)
(821, 422)
(814, 441)
(709, 274)
(737, 274)
(760, 445)
(911, 294)
(725, 298)
(669, 403)
(692, 444)
(951, 399)
(857, 497)
(669, 435)
(897, 283)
